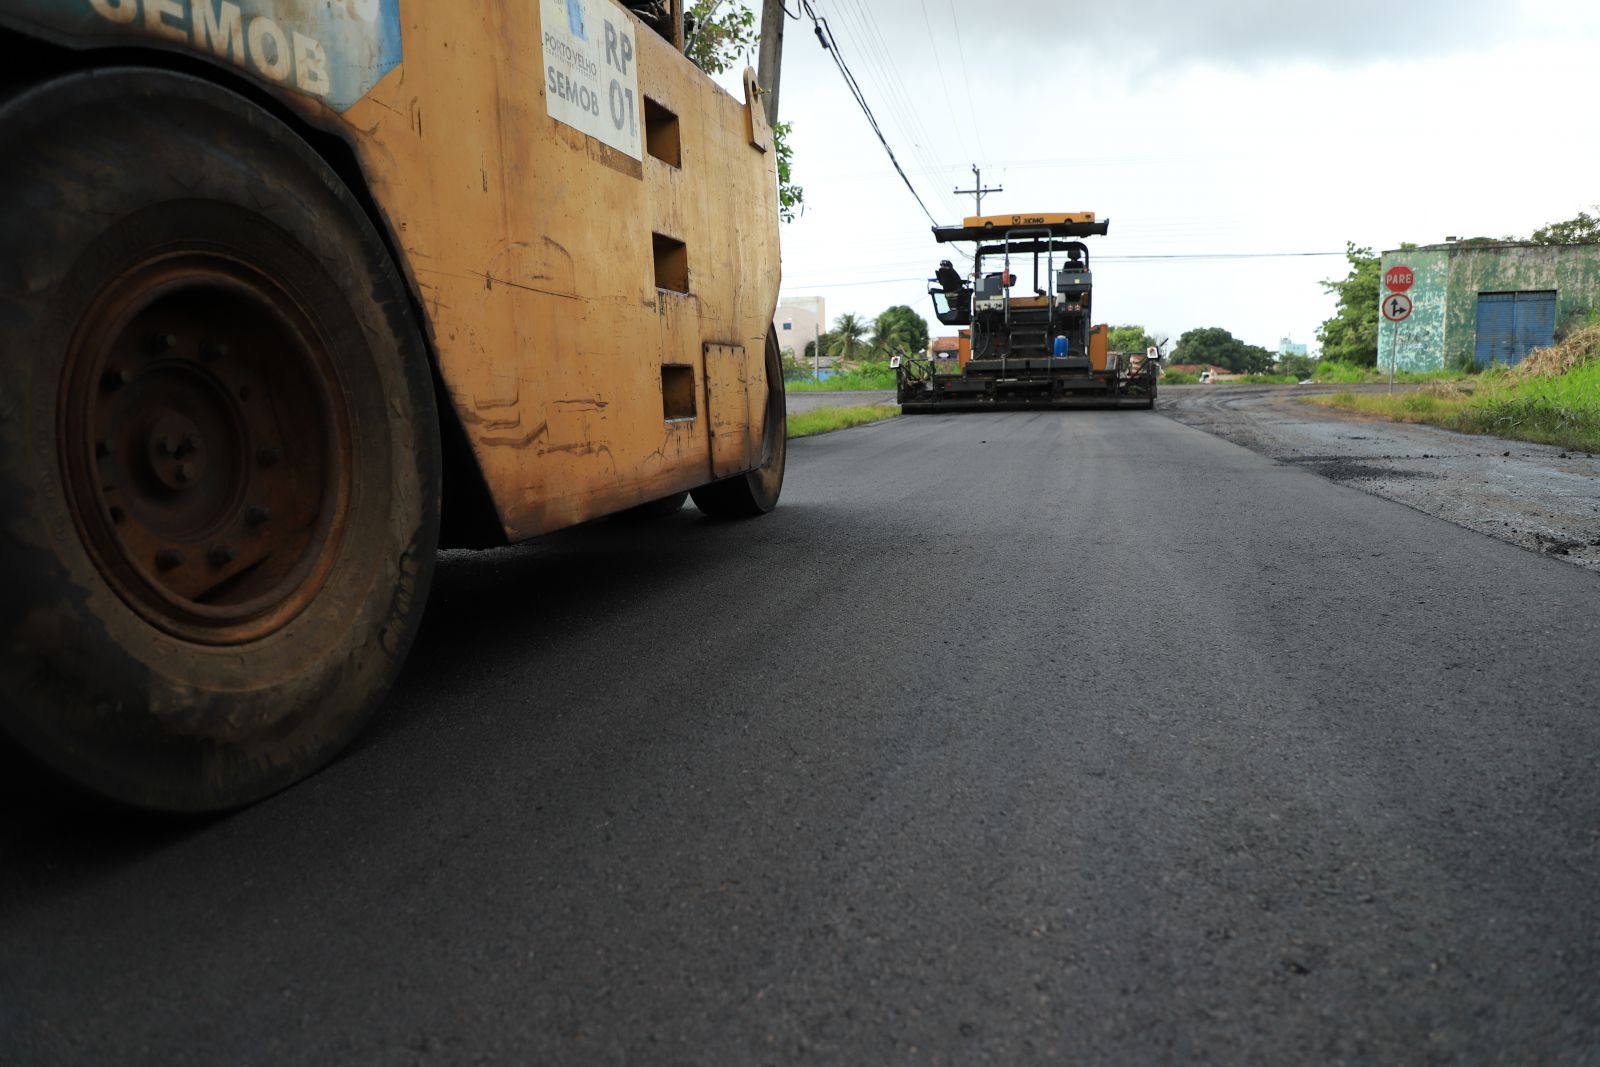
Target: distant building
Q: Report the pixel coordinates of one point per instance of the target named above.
(798, 321)
(1485, 303)
(1287, 347)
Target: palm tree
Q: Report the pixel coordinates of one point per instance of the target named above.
(849, 334)
(888, 334)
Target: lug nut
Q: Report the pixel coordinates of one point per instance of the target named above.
(169, 445)
(267, 455)
(191, 442)
(168, 558)
(113, 380)
(162, 343)
(221, 555)
(184, 472)
(213, 350)
(257, 515)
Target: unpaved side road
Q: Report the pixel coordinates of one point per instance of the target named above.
(798, 402)
(1538, 497)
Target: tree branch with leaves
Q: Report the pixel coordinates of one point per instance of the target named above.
(717, 34)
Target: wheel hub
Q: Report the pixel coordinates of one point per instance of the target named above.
(206, 446)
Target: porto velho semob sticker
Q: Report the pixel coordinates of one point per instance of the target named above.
(333, 50)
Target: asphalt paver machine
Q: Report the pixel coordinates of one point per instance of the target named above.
(1028, 344)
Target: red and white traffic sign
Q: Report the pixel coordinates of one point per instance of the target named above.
(1396, 307)
(1399, 278)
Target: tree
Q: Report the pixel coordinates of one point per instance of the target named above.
(1581, 230)
(1253, 359)
(1351, 336)
(899, 327)
(790, 195)
(795, 370)
(716, 35)
(714, 38)
(849, 334)
(1129, 339)
(1208, 344)
(1297, 365)
(1214, 345)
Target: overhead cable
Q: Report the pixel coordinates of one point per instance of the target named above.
(830, 45)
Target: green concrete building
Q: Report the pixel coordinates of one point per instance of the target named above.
(1486, 303)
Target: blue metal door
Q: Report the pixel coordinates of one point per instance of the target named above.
(1510, 325)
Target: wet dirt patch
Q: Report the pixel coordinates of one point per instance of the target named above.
(1345, 469)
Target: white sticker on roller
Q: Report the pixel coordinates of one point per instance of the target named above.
(591, 78)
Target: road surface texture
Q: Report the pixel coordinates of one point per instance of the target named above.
(1539, 497)
(1080, 737)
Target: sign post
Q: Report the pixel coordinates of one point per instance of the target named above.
(1396, 307)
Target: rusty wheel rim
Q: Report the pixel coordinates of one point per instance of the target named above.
(206, 447)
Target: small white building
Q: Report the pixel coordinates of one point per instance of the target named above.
(798, 322)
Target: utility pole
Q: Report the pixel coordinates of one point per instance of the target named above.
(770, 61)
(977, 189)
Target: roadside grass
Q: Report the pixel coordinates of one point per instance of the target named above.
(1179, 377)
(866, 376)
(1333, 372)
(823, 420)
(1552, 397)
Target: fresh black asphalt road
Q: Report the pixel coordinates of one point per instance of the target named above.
(1008, 738)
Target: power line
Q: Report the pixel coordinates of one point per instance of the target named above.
(1104, 258)
(950, 107)
(886, 71)
(1174, 256)
(961, 51)
(825, 36)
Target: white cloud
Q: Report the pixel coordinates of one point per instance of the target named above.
(1281, 127)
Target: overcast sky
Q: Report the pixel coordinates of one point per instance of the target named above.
(1197, 128)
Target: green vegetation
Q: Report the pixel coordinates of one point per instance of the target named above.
(1129, 339)
(1552, 397)
(866, 376)
(790, 195)
(1218, 347)
(1297, 367)
(1179, 377)
(824, 420)
(718, 35)
(1332, 371)
(849, 335)
(898, 328)
(1576, 231)
(895, 329)
(1340, 373)
(1351, 336)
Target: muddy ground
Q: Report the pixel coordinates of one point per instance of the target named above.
(1540, 498)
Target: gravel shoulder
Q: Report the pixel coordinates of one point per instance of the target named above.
(800, 402)
(1537, 497)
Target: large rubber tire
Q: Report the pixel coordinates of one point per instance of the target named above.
(755, 493)
(136, 197)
